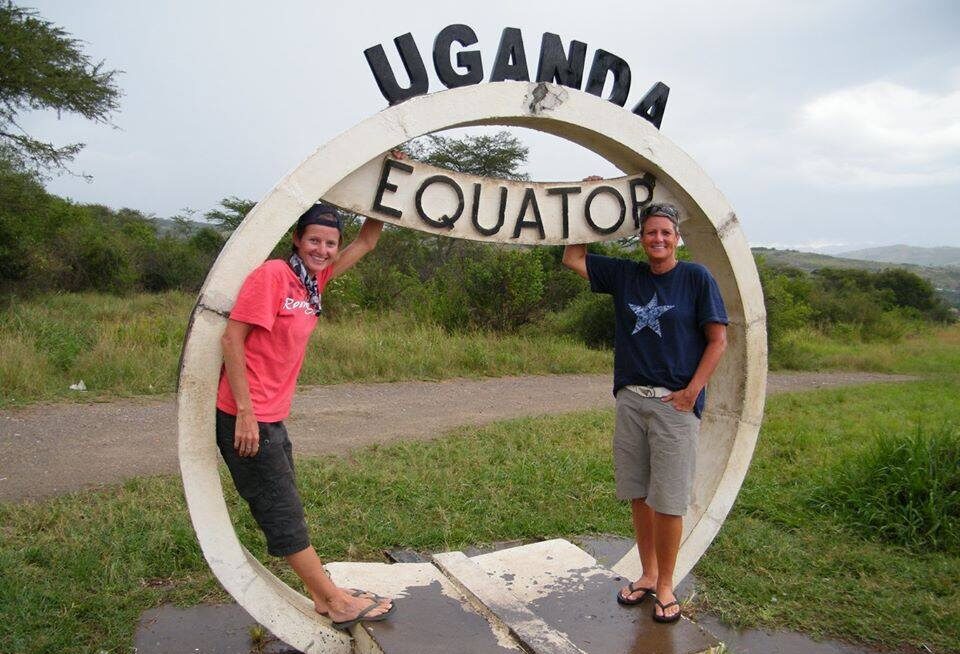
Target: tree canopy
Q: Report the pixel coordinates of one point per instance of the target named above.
(232, 212)
(499, 155)
(43, 67)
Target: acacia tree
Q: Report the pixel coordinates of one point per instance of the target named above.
(232, 212)
(499, 155)
(43, 67)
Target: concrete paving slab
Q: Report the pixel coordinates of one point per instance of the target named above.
(501, 605)
(204, 629)
(607, 549)
(569, 591)
(432, 615)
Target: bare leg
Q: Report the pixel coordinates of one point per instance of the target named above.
(667, 532)
(327, 597)
(643, 527)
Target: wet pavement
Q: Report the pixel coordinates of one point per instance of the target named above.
(204, 629)
(581, 604)
(610, 549)
(565, 587)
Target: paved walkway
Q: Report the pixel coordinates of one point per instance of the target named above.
(47, 450)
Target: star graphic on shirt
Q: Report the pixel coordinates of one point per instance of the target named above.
(649, 315)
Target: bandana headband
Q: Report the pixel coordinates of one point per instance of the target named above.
(320, 214)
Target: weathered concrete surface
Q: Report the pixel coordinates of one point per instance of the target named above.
(429, 617)
(566, 588)
(204, 629)
(608, 550)
(432, 616)
(503, 607)
(47, 450)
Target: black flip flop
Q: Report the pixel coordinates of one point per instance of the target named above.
(359, 592)
(666, 619)
(647, 592)
(362, 617)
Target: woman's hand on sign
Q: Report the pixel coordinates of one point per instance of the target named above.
(593, 178)
(398, 154)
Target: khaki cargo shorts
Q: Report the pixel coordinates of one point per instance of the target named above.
(654, 452)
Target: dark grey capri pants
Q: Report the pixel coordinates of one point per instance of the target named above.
(654, 452)
(268, 484)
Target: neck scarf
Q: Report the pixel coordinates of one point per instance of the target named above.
(308, 281)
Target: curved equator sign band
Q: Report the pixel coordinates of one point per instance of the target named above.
(413, 194)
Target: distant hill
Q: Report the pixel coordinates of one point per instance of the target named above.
(167, 226)
(939, 256)
(945, 279)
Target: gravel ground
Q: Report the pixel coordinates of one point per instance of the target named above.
(48, 450)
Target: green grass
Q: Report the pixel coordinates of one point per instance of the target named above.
(781, 561)
(78, 570)
(393, 347)
(902, 488)
(127, 346)
(928, 351)
(116, 345)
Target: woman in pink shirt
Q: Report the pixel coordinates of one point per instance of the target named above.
(264, 345)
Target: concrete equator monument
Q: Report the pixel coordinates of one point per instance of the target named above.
(710, 229)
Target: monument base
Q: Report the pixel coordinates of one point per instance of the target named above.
(549, 597)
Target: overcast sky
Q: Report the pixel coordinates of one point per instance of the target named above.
(826, 124)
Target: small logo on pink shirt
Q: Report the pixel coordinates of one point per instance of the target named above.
(292, 305)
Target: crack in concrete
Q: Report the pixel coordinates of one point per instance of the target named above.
(207, 307)
(545, 97)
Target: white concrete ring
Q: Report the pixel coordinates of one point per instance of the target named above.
(736, 396)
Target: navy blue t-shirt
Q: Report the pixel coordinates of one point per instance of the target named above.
(659, 338)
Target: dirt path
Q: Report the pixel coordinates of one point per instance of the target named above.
(53, 449)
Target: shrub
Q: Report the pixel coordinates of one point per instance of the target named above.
(560, 286)
(590, 318)
(504, 287)
(171, 263)
(368, 287)
(487, 288)
(902, 489)
(793, 350)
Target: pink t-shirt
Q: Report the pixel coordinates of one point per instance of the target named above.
(276, 304)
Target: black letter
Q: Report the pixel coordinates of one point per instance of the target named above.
(445, 221)
(529, 198)
(463, 35)
(487, 231)
(653, 104)
(623, 209)
(388, 165)
(563, 192)
(511, 47)
(554, 64)
(604, 62)
(383, 73)
(648, 181)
